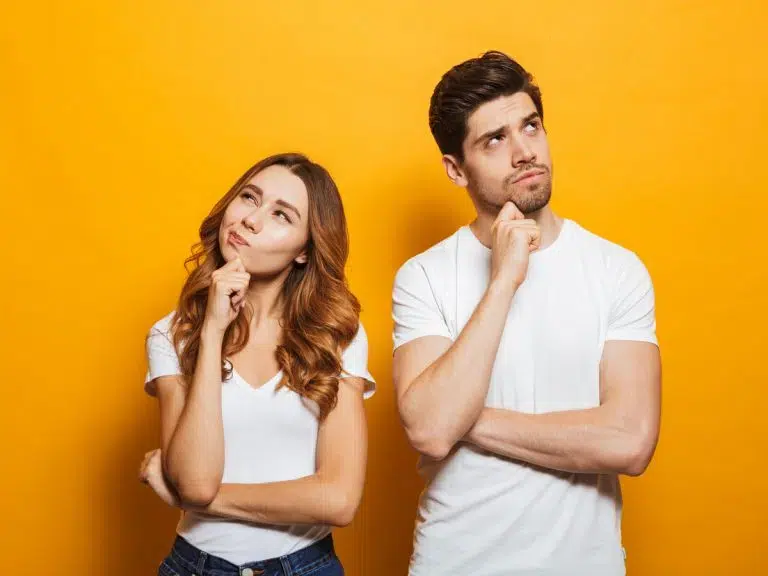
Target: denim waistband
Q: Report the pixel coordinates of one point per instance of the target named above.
(293, 564)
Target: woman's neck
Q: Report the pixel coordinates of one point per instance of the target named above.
(265, 299)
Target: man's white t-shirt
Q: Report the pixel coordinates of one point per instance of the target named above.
(270, 435)
(487, 515)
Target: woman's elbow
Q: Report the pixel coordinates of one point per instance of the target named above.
(194, 491)
(343, 517)
(342, 508)
(197, 494)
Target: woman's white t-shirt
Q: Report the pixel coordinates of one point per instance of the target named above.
(270, 435)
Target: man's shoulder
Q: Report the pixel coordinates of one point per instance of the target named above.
(435, 260)
(611, 254)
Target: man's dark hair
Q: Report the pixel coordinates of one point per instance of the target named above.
(467, 86)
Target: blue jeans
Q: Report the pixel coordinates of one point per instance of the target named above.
(319, 559)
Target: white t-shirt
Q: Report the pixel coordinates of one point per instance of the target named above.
(487, 515)
(269, 436)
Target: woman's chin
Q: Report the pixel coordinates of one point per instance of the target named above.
(229, 252)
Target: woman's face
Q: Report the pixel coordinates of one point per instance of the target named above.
(266, 225)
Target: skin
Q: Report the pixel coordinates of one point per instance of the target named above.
(263, 235)
(441, 385)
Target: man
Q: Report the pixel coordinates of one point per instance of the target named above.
(526, 364)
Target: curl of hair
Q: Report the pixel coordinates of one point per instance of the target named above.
(320, 315)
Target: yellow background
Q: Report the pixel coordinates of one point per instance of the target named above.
(122, 122)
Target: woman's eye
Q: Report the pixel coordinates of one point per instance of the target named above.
(283, 215)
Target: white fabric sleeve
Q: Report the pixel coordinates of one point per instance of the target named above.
(414, 306)
(633, 314)
(161, 355)
(355, 361)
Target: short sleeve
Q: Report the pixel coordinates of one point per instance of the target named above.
(633, 315)
(414, 306)
(161, 355)
(355, 361)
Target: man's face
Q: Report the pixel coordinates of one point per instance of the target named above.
(506, 155)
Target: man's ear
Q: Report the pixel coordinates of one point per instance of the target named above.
(454, 171)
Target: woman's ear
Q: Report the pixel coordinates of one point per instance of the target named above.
(301, 259)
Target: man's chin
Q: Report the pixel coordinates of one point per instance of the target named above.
(529, 203)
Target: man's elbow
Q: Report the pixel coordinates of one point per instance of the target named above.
(429, 442)
(637, 455)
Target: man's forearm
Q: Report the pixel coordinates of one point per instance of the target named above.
(592, 440)
(444, 401)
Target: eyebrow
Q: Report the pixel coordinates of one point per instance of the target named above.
(280, 202)
(499, 131)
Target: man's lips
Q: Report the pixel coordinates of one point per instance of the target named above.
(528, 175)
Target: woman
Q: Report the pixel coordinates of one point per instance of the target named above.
(260, 375)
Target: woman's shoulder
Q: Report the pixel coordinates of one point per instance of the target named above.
(163, 326)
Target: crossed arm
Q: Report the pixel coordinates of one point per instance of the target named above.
(618, 436)
(330, 496)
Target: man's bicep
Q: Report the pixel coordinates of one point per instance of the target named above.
(412, 358)
(630, 380)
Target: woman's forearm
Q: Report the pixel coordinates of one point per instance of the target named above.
(194, 462)
(308, 500)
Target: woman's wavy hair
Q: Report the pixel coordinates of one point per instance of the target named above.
(320, 314)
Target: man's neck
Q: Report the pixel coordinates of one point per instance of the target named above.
(549, 223)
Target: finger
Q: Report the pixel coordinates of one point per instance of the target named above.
(230, 287)
(526, 223)
(240, 277)
(151, 459)
(238, 292)
(510, 212)
(239, 266)
(234, 278)
(535, 240)
(232, 266)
